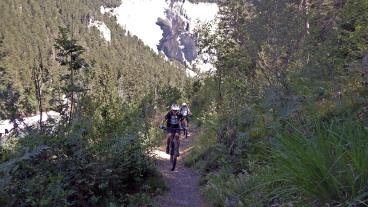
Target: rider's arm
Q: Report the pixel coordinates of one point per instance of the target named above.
(163, 122)
(165, 119)
(189, 112)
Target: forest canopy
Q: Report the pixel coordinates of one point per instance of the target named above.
(28, 30)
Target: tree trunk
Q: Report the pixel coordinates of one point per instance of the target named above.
(72, 90)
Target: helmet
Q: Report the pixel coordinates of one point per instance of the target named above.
(175, 107)
(184, 104)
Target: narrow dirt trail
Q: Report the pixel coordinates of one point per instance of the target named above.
(182, 183)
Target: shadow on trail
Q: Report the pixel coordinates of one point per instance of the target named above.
(182, 183)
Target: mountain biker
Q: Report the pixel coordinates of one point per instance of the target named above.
(172, 119)
(185, 112)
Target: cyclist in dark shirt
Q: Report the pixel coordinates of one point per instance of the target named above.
(172, 119)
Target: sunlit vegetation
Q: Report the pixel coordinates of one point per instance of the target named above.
(29, 29)
(284, 118)
(283, 121)
(107, 94)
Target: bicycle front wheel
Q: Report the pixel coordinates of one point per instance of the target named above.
(173, 159)
(173, 154)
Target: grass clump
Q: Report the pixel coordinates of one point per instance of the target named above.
(327, 164)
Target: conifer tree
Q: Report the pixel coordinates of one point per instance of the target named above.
(69, 55)
(2, 82)
(39, 77)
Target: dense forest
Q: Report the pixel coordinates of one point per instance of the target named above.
(284, 119)
(28, 30)
(107, 93)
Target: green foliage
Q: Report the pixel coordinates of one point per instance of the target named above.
(327, 162)
(93, 164)
(102, 157)
(206, 142)
(69, 55)
(280, 63)
(11, 103)
(169, 95)
(29, 28)
(74, 174)
(7, 149)
(2, 81)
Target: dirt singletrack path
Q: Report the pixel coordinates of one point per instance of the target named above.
(182, 183)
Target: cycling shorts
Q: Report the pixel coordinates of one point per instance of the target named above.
(173, 130)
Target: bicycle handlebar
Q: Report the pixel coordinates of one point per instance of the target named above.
(164, 128)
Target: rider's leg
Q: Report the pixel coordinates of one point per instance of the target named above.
(168, 139)
(185, 123)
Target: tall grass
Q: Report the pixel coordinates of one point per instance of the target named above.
(328, 163)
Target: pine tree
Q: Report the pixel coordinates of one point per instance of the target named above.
(69, 55)
(39, 77)
(3, 112)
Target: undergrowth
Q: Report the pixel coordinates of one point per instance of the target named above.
(316, 161)
(97, 161)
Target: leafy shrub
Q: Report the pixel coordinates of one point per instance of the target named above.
(7, 147)
(169, 95)
(308, 170)
(100, 160)
(243, 189)
(205, 142)
(327, 164)
(74, 173)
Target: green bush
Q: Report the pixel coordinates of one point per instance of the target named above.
(100, 160)
(205, 143)
(327, 163)
(75, 173)
(321, 164)
(243, 189)
(7, 149)
(169, 95)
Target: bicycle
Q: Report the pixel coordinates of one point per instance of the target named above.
(185, 129)
(172, 148)
(184, 124)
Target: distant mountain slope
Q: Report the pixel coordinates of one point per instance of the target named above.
(165, 25)
(29, 29)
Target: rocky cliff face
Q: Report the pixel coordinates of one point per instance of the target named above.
(165, 25)
(177, 42)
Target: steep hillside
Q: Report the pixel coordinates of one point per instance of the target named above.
(166, 26)
(29, 29)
